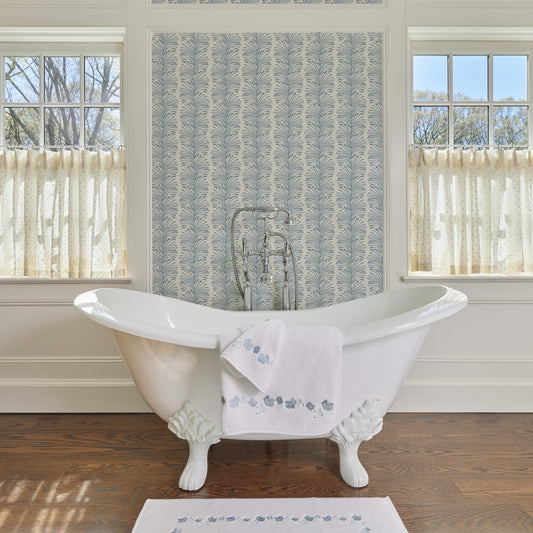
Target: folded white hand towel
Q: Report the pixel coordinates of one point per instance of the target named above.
(253, 354)
(297, 394)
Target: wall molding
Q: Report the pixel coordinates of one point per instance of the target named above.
(33, 301)
(63, 3)
(465, 395)
(69, 359)
(70, 396)
(60, 384)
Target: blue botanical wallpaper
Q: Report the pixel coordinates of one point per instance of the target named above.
(178, 2)
(286, 119)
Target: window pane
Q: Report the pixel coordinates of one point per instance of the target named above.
(102, 126)
(61, 126)
(21, 79)
(430, 125)
(61, 79)
(470, 80)
(430, 78)
(510, 78)
(510, 125)
(21, 126)
(470, 125)
(102, 79)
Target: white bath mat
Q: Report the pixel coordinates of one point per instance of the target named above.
(283, 515)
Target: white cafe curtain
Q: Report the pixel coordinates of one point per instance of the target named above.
(62, 213)
(471, 211)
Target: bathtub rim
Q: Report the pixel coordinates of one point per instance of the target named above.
(447, 301)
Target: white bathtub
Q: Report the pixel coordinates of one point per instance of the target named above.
(171, 349)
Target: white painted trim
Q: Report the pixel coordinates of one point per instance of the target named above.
(60, 382)
(70, 396)
(472, 278)
(469, 4)
(120, 395)
(463, 396)
(456, 359)
(8, 302)
(265, 6)
(68, 359)
(149, 105)
(275, 18)
(62, 35)
(63, 3)
(46, 281)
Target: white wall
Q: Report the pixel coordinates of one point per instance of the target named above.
(51, 359)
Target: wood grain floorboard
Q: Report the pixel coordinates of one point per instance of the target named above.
(445, 473)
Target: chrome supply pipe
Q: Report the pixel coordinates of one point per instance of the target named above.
(269, 213)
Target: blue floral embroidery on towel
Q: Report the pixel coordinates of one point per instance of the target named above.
(247, 344)
(268, 402)
(290, 404)
(234, 402)
(327, 406)
(263, 359)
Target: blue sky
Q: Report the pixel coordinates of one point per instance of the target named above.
(470, 75)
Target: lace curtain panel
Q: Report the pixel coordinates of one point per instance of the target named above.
(62, 213)
(471, 211)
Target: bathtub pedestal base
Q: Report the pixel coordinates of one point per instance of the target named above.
(361, 425)
(200, 433)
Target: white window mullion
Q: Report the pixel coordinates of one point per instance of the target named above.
(490, 89)
(450, 99)
(41, 101)
(530, 99)
(82, 100)
(2, 103)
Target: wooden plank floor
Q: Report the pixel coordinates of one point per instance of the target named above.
(446, 473)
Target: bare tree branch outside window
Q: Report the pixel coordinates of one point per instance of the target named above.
(68, 110)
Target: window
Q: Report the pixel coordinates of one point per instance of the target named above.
(68, 100)
(470, 99)
(470, 163)
(62, 164)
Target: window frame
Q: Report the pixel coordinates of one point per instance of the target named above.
(58, 49)
(464, 47)
(468, 40)
(66, 41)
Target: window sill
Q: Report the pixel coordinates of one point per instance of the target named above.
(471, 278)
(59, 281)
(483, 289)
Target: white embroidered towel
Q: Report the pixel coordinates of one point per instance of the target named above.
(253, 354)
(304, 392)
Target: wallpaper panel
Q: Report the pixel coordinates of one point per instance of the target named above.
(292, 120)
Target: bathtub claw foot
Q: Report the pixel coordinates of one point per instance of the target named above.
(200, 433)
(361, 425)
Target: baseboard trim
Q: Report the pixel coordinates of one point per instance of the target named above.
(465, 396)
(70, 396)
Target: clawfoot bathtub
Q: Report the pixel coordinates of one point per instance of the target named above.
(171, 349)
